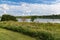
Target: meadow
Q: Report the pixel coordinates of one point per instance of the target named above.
(10, 35)
(39, 31)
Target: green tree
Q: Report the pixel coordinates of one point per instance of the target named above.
(33, 18)
(6, 17)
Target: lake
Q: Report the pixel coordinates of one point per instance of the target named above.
(42, 20)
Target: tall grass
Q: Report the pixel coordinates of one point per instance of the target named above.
(41, 31)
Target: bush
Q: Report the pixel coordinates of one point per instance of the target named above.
(45, 36)
(6, 17)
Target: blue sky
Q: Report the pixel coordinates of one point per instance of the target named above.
(29, 7)
(28, 1)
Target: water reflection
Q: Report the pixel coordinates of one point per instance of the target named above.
(42, 20)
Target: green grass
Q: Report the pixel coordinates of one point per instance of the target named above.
(10, 35)
(49, 31)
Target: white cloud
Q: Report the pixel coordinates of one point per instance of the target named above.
(31, 9)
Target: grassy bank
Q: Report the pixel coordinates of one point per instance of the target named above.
(43, 31)
(10, 35)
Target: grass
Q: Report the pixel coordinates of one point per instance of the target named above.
(10, 35)
(43, 31)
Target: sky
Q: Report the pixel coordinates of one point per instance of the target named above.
(29, 7)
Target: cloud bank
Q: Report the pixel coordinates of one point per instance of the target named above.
(24, 8)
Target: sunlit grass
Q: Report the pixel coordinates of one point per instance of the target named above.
(32, 27)
(10, 35)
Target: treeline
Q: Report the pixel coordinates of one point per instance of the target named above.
(50, 16)
(7, 17)
(44, 16)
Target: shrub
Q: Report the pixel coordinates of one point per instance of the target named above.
(45, 36)
(6, 17)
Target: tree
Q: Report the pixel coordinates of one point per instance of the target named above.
(6, 17)
(33, 18)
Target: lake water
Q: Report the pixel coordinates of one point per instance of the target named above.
(42, 20)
